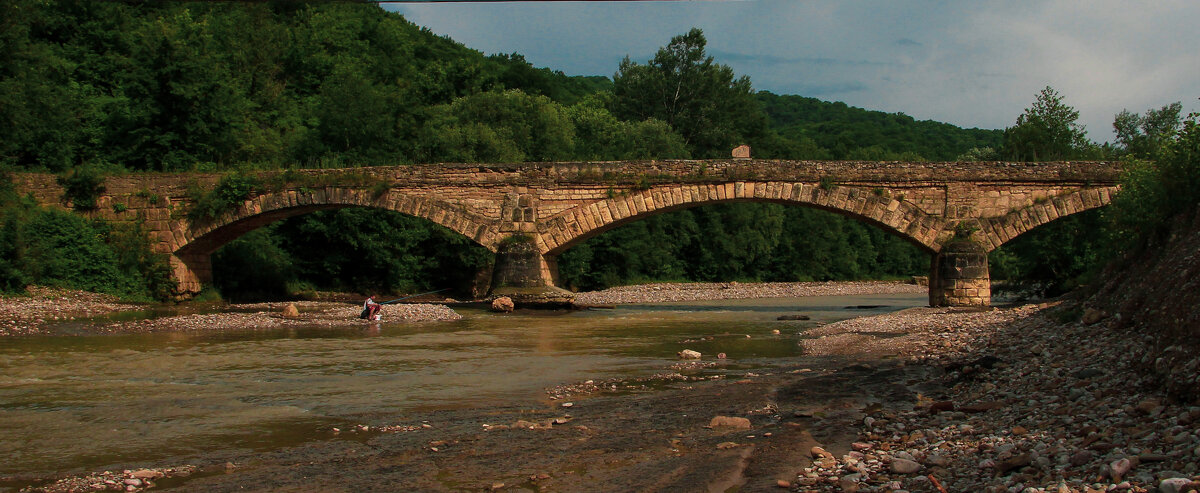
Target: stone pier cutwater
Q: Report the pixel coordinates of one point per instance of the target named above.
(959, 276)
(529, 213)
(524, 275)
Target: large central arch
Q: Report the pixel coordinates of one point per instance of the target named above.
(901, 218)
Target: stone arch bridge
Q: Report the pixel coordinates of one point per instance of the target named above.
(529, 213)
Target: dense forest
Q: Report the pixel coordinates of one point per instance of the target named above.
(89, 89)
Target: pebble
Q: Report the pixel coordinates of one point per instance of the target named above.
(904, 466)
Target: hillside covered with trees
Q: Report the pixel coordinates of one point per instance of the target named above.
(89, 89)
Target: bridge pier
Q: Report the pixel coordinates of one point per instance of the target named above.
(192, 272)
(959, 276)
(522, 273)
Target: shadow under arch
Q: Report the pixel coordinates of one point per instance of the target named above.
(997, 231)
(192, 259)
(903, 219)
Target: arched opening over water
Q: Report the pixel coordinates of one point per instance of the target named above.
(1052, 258)
(768, 241)
(348, 249)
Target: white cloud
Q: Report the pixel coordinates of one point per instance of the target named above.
(974, 65)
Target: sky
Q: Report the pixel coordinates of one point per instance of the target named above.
(972, 64)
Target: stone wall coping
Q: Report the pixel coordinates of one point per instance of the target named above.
(688, 170)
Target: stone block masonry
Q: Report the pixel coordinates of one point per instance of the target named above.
(558, 205)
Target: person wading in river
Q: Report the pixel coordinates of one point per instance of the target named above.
(370, 308)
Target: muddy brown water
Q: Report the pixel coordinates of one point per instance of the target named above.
(86, 403)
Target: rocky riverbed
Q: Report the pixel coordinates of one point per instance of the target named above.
(46, 310)
(41, 307)
(265, 316)
(1038, 398)
(1030, 399)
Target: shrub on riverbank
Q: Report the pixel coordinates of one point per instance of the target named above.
(60, 249)
(1153, 289)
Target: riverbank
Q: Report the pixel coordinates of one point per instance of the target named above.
(49, 311)
(1019, 399)
(45, 310)
(706, 291)
(273, 315)
(41, 307)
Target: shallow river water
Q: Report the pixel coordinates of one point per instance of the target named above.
(93, 402)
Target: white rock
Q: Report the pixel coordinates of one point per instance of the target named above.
(1120, 467)
(1173, 485)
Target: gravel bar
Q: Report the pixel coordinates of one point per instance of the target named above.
(42, 310)
(699, 291)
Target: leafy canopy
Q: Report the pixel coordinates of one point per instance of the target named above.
(1145, 136)
(1046, 131)
(711, 109)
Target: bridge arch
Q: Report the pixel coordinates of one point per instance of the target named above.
(573, 226)
(192, 244)
(996, 231)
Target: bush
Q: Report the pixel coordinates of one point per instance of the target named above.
(82, 187)
(1154, 192)
(63, 250)
(12, 278)
(149, 271)
(230, 192)
(56, 248)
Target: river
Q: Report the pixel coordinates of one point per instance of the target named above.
(83, 403)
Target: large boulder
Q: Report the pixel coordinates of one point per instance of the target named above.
(689, 354)
(290, 311)
(503, 304)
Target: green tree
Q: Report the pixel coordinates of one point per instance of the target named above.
(601, 136)
(1046, 131)
(700, 99)
(1153, 193)
(1145, 136)
(499, 126)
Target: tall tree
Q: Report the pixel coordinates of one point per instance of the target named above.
(1046, 131)
(1144, 136)
(701, 100)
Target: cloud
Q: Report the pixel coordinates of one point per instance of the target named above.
(970, 64)
(815, 90)
(727, 57)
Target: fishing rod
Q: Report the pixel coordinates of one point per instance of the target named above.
(413, 296)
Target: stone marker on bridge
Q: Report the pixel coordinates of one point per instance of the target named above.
(741, 152)
(529, 213)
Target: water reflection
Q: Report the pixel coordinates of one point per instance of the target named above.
(94, 402)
